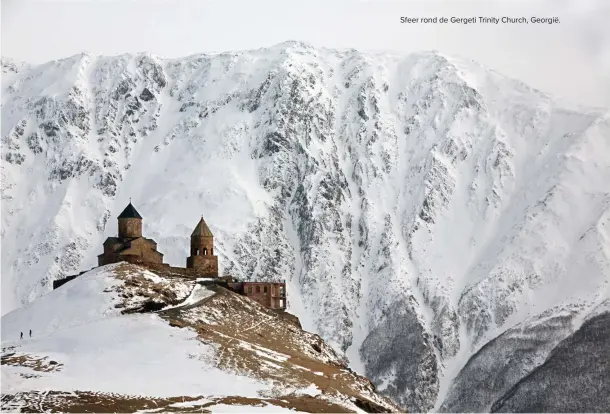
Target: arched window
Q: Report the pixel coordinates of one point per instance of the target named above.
(258, 289)
(205, 251)
(196, 252)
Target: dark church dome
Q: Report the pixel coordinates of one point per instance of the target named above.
(130, 212)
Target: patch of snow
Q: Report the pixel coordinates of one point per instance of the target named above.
(206, 279)
(311, 390)
(85, 299)
(269, 364)
(264, 352)
(153, 277)
(267, 353)
(193, 403)
(241, 409)
(198, 294)
(129, 354)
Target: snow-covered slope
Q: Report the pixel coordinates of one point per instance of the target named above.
(516, 356)
(418, 206)
(94, 342)
(573, 378)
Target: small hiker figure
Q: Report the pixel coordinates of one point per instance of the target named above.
(21, 335)
(30, 333)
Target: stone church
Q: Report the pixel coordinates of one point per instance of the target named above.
(131, 246)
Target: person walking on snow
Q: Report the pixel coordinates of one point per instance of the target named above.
(30, 333)
(21, 335)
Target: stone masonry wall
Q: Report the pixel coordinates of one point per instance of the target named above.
(256, 291)
(130, 228)
(140, 249)
(206, 265)
(165, 269)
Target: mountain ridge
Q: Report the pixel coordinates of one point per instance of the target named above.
(376, 185)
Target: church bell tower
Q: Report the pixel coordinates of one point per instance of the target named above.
(202, 255)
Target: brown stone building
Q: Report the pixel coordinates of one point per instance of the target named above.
(270, 295)
(129, 245)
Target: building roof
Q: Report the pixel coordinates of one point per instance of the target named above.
(130, 212)
(150, 240)
(202, 229)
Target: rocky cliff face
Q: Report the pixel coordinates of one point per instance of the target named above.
(418, 206)
(573, 378)
(499, 376)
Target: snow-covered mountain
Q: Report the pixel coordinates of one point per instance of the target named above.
(418, 206)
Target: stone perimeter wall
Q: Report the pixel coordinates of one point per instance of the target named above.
(166, 270)
(269, 299)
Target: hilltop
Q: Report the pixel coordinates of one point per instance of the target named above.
(97, 345)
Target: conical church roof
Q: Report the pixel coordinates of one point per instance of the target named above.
(130, 212)
(202, 229)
